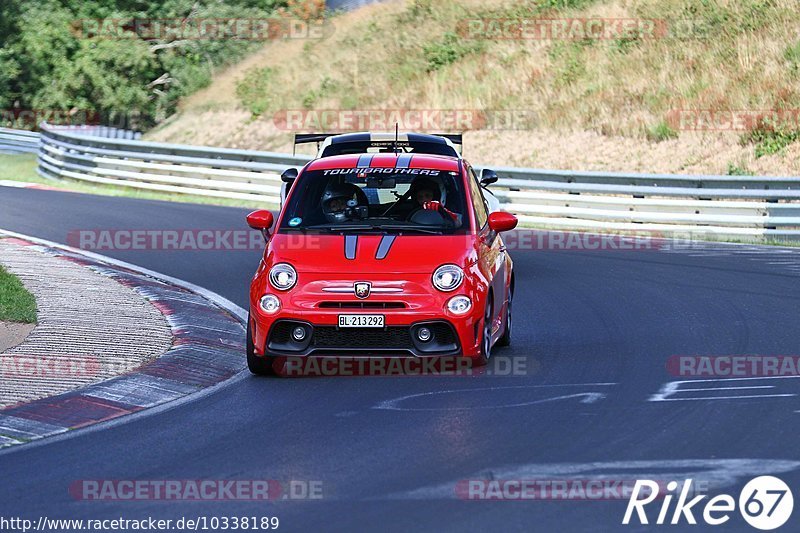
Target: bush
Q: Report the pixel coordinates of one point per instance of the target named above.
(770, 138)
(253, 90)
(130, 82)
(661, 132)
(448, 50)
(792, 56)
(735, 170)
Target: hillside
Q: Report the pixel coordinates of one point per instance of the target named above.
(609, 103)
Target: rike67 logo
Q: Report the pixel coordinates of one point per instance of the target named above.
(765, 503)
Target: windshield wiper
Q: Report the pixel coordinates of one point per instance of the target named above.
(373, 227)
(343, 227)
(409, 227)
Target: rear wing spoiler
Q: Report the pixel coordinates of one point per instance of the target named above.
(308, 138)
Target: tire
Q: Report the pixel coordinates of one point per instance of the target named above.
(505, 340)
(259, 366)
(486, 335)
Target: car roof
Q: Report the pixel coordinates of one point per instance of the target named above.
(350, 143)
(401, 160)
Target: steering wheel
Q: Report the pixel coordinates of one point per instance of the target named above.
(426, 217)
(361, 196)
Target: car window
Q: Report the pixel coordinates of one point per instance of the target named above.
(481, 211)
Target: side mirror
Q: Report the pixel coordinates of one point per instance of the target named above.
(488, 177)
(500, 221)
(261, 220)
(289, 175)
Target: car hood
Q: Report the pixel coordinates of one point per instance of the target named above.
(370, 253)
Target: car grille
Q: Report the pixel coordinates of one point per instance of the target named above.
(325, 338)
(362, 305)
(392, 338)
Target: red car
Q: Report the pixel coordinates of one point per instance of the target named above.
(388, 251)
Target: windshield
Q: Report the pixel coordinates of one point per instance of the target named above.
(377, 200)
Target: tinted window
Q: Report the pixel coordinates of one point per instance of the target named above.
(481, 212)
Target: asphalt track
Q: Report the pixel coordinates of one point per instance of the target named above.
(593, 328)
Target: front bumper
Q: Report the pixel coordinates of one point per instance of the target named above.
(407, 302)
(451, 335)
(333, 340)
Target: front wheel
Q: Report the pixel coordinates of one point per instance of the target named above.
(259, 366)
(505, 340)
(486, 335)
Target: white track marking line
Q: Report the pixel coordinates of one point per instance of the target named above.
(725, 398)
(673, 388)
(588, 397)
(729, 388)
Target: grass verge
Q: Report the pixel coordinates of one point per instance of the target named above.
(16, 303)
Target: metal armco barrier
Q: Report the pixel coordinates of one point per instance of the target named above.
(18, 141)
(723, 206)
(214, 172)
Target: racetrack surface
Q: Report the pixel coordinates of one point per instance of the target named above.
(594, 328)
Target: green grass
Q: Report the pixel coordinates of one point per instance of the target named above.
(16, 303)
(23, 168)
(771, 141)
(448, 50)
(253, 90)
(736, 170)
(661, 132)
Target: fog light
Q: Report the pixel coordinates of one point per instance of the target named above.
(299, 333)
(424, 334)
(270, 304)
(458, 305)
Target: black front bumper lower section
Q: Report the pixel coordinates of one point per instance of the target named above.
(355, 342)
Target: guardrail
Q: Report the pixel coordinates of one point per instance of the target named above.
(212, 172)
(18, 141)
(724, 206)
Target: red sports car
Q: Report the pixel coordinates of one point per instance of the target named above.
(389, 251)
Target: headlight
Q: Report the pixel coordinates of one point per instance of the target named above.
(448, 277)
(458, 305)
(282, 276)
(270, 304)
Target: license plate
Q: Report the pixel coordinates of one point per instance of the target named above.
(361, 321)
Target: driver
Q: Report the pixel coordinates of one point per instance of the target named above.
(336, 200)
(426, 193)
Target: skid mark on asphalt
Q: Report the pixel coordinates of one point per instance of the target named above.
(586, 397)
(784, 259)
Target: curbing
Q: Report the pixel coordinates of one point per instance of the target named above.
(207, 348)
